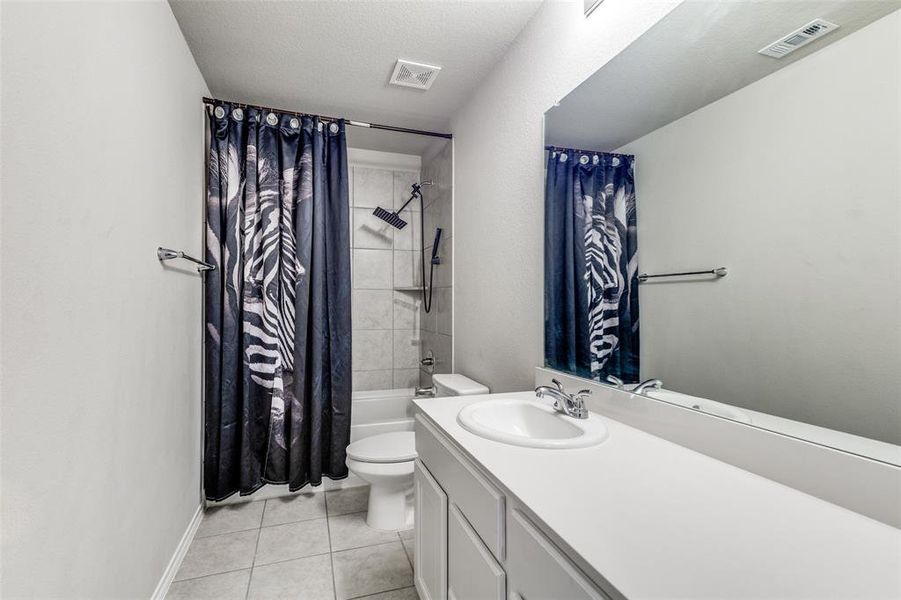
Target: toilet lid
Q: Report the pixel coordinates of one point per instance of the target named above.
(397, 446)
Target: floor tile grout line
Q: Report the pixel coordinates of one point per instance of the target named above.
(367, 546)
(213, 574)
(331, 554)
(406, 587)
(253, 561)
(282, 561)
(404, 547)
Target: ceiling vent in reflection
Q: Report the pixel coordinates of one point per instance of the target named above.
(800, 37)
(414, 75)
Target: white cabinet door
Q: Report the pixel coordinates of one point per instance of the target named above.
(473, 574)
(537, 570)
(430, 564)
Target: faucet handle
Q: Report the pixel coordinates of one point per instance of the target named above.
(579, 397)
(558, 384)
(616, 381)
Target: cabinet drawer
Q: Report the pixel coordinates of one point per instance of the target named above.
(472, 572)
(537, 570)
(480, 502)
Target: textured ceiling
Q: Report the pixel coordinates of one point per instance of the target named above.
(700, 52)
(336, 57)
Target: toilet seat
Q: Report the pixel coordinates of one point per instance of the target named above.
(394, 447)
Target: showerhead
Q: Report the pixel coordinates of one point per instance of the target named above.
(392, 218)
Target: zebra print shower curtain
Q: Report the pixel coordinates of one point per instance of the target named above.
(591, 265)
(277, 339)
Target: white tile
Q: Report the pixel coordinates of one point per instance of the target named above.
(351, 500)
(403, 238)
(371, 570)
(403, 268)
(351, 531)
(444, 273)
(428, 321)
(373, 309)
(406, 349)
(294, 540)
(417, 268)
(373, 269)
(402, 189)
(218, 554)
(406, 378)
(230, 518)
(293, 508)
(406, 310)
(301, 579)
(373, 187)
(224, 586)
(443, 213)
(444, 310)
(371, 232)
(427, 341)
(443, 351)
(364, 381)
(372, 350)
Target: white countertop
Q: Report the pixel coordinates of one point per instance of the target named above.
(658, 520)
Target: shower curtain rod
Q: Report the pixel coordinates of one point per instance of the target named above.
(447, 136)
(559, 148)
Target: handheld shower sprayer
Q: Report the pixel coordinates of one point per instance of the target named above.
(393, 219)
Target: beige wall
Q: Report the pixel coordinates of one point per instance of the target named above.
(103, 155)
(793, 183)
(499, 182)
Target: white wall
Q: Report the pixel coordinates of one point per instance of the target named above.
(103, 161)
(792, 182)
(499, 182)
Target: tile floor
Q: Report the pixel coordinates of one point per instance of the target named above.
(306, 547)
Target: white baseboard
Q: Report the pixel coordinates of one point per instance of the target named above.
(162, 588)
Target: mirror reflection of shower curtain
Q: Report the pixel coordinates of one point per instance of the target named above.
(278, 332)
(591, 265)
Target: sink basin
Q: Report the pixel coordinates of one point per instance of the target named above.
(531, 423)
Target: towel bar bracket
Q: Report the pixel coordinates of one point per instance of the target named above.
(164, 254)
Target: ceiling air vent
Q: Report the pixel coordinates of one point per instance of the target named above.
(414, 75)
(800, 37)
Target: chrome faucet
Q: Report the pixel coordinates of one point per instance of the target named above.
(570, 405)
(649, 384)
(616, 381)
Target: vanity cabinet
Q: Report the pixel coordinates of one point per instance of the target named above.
(473, 543)
(430, 558)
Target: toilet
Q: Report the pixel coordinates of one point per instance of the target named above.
(385, 462)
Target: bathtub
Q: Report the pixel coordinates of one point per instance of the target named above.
(381, 411)
(374, 412)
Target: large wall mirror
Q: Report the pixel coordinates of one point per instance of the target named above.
(774, 177)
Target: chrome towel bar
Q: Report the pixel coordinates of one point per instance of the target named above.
(167, 254)
(718, 272)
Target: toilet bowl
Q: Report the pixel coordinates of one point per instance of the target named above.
(385, 462)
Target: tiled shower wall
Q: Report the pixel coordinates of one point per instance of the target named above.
(385, 260)
(437, 325)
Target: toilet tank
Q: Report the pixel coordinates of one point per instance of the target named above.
(454, 384)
